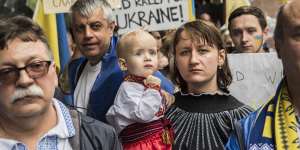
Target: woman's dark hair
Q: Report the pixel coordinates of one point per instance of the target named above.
(207, 32)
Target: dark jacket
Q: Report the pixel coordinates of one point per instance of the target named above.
(105, 87)
(93, 134)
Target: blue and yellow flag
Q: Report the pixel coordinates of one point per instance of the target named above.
(48, 24)
(64, 54)
(192, 12)
(54, 28)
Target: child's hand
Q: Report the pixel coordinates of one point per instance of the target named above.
(169, 98)
(152, 81)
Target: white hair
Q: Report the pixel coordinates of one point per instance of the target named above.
(32, 90)
(86, 8)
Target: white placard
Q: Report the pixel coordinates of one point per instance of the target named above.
(57, 6)
(115, 3)
(255, 77)
(63, 6)
(154, 15)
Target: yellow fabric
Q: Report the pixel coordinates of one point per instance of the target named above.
(48, 24)
(267, 132)
(231, 5)
(286, 134)
(268, 123)
(270, 108)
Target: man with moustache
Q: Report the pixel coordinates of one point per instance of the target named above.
(30, 118)
(248, 29)
(276, 124)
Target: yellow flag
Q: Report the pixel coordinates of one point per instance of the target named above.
(48, 24)
(283, 1)
(231, 5)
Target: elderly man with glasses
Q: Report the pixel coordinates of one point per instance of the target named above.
(30, 118)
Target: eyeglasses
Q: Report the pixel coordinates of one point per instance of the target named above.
(34, 70)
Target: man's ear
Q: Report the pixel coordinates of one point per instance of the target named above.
(265, 33)
(111, 26)
(122, 64)
(56, 69)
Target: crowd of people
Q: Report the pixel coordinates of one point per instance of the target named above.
(145, 90)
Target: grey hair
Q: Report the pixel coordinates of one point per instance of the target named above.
(86, 7)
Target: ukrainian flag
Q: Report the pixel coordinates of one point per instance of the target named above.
(63, 45)
(192, 11)
(54, 27)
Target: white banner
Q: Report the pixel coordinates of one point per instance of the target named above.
(63, 6)
(152, 15)
(115, 3)
(57, 6)
(255, 77)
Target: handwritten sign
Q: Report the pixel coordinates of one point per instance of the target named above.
(115, 3)
(255, 77)
(57, 6)
(153, 15)
(63, 6)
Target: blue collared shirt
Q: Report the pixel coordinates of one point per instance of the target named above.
(56, 138)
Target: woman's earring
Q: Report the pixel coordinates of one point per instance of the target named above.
(220, 67)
